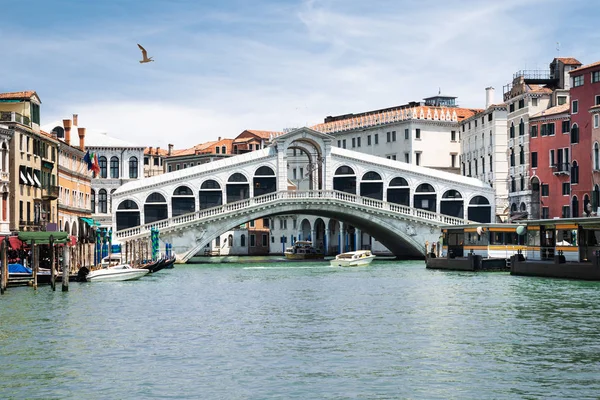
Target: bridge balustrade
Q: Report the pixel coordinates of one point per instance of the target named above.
(275, 197)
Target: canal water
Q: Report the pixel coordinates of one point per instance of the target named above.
(276, 330)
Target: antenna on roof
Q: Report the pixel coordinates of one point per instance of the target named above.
(558, 49)
(439, 91)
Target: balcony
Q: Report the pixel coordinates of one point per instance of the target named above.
(511, 171)
(50, 193)
(561, 169)
(31, 225)
(489, 150)
(521, 140)
(521, 169)
(4, 176)
(8, 116)
(511, 143)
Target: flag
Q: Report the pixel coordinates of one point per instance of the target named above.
(95, 165)
(88, 160)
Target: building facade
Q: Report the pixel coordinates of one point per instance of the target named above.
(33, 164)
(5, 138)
(153, 161)
(530, 93)
(483, 139)
(585, 97)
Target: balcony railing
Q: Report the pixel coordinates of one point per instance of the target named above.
(50, 192)
(561, 169)
(11, 116)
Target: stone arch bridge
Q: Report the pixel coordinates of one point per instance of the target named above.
(399, 204)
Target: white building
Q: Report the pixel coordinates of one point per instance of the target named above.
(483, 150)
(5, 137)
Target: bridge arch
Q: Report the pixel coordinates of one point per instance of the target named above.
(425, 197)
(264, 181)
(398, 191)
(210, 194)
(155, 207)
(127, 214)
(480, 209)
(371, 185)
(344, 179)
(237, 187)
(452, 204)
(183, 201)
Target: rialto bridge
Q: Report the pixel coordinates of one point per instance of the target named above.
(399, 204)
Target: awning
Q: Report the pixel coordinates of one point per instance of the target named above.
(90, 221)
(14, 242)
(23, 178)
(30, 179)
(43, 237)
(37, 181)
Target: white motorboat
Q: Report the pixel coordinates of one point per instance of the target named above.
(121, 272)
(358, 258)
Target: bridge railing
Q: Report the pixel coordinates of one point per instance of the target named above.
(289, 195)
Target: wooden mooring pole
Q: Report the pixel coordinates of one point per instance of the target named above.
(65, 267)
(34, 263)
(4, 266)
(52, 270)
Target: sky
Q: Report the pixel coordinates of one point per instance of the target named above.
(225, 66)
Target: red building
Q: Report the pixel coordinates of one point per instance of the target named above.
(549, 152)
(585, 95)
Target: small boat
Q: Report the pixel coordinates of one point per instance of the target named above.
(303, 250)
(111, 261)
(358, 258)
(121, 272)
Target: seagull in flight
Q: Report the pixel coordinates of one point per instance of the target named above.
(145, 55)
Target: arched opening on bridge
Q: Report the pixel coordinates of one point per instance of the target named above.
(399, 192)
(237, 188)
(305, 230)
(305, 157)
(183, 201)
(128, 215)
(210, 194)
(155, 208)
(344, 180)
(264, 181)
(333, 247)
(425, 197)
(452, 204)
(371, 186)
(319, 239)
(480, 209)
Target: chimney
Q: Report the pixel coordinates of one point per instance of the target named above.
(75, 122)
(489, 96)
(150, 150)
(81, 132)
(67, 126)
(170, 149)
(219, 138)
(158, 150)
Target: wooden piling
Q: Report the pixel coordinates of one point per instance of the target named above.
(65, 268)
(52, 271)
(34, 263)
(4, 267)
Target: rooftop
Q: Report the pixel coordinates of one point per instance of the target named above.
(25, 95)
(93, 138)
(563, 108)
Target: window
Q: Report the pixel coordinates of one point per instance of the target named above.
(301, 172)
(417, 134)
(218, 150)
(522, 181)
(595, 157)
(578, 81)
(377, 138)
(339, 143)
(453, 136)
(114, 167)
(512, 130)
(534, 159)
(545, 213)
(406, 134)
(574, 106)
(521, 127)
(252, 224)
(551, 157)
(156, 161)
(353, 142)
(534, 102)
(169, 168)
(102, 201)
(453, 160)
(418, 158)
(177, 167)
(566, 212)
(574, 134)
(545, 190)
(294, 173)
(368, 140)
(265, 240)
(512, 157)
(266, 222)
(596, 120)
(406, 158)
(534, 130)
(93, 201)
(389, 136)
(574, 173)
(511, 108)
(133, 168)
(102, 164)
(513, 185)
(560, 100)
(243, 240)
(146, 161)
(344, 143)
(566, 188)
(595, 76)
(521, 103)
(566, 126)
(393, 136)
(358, 142)
(521, 155)
(597, 100)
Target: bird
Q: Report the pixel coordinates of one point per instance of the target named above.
(145, 55)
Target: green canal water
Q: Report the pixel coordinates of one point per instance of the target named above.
(276, 330)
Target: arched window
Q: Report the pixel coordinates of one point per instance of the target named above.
(575, 207)
(93, 201)
(223, 150)
(574, 133)
(512, 130)
(521, 128)
(398, 191)
(574, 172)
(128, 215)
(596, 157)
(114, 167)
(103, 167)
(243, 240)
(237, 177)
(183, 201)
(102, 201)
(344, 170)
(155, 208)
(344, 180)
(210, 194)
(133, 167)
